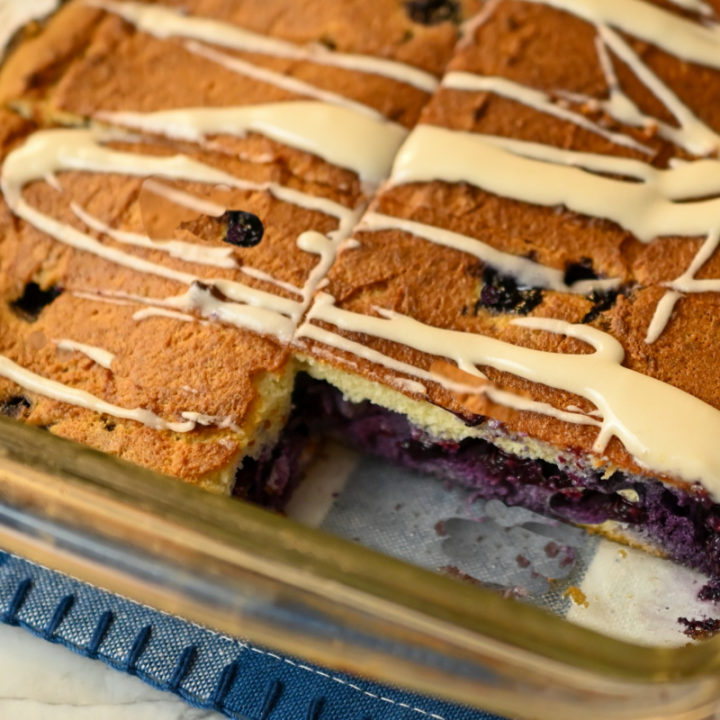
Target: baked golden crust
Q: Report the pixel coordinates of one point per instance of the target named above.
(165, 365)
(87, 60)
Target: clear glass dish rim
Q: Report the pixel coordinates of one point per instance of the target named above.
(72, 508)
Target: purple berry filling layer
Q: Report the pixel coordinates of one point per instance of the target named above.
(684, 525)
(270, 479)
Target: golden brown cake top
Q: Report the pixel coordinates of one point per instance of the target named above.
(101, 319)
(114, 55)
(136, 317)
(544, 252)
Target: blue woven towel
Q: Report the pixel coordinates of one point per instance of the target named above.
(205, 669)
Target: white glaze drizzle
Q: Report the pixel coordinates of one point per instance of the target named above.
(697, 6)
(77, 149)
(73, 396)
(345, 216)
(536, 99)
(332, 339)
(279, 80)
(102, 357)
(664, 186)
(661, 316)
(518, 402)
(471, 26)
(618, 105)
(349, 244)
(221, 422)
(184, 199)
(201, 298)
(683, 38)
(343, 137)
(627, 400)
(693, 135)
(685, 283)
(48, 152)
(190, 252)
(647, 206)
(410, 386)
(225, 255)
(97, 297)
(502, 397)
(266, 277)
(128, 300)
(545, 175)
(150, 312)
(317, 244)
(326, 248)
(576, 409)
(52, 180)
(262, 311)
(351, 136)
(15, 14)
(165, 22)
(525, 271)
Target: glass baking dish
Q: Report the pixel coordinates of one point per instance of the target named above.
(256, 575)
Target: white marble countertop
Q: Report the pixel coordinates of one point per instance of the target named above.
(42, 681)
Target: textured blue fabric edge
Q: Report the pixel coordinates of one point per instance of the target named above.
(207, 670)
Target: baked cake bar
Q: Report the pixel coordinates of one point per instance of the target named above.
(160, 248)
(527, 306)
(530, 305)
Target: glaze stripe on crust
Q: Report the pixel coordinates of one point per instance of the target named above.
(166, 22)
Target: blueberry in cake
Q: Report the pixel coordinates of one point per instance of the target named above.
(479, 240)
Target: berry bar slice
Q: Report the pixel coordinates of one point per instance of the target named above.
(530, 305)
(178, 189)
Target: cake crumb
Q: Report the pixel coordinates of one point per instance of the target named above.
(517, 592)
(577, 596)
(455, 572)
(710, 592)
(700, 629)
(622, 553)
(569, 558)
